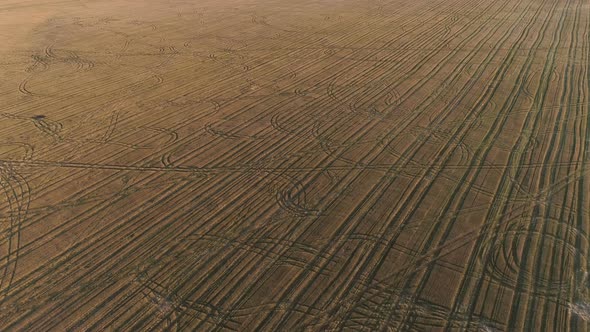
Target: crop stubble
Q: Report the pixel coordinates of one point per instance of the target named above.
(274, 165)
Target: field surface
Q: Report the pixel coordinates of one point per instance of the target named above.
(294, 165)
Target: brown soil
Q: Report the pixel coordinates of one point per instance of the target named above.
(294, 165)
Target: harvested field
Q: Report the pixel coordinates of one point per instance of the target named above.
(294, 165)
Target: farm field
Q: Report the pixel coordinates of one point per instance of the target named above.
(325, 165)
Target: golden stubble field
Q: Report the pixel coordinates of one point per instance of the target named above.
(294, 165)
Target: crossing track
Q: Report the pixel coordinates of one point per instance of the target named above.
(295, 165)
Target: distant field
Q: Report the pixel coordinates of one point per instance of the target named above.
(317, 165)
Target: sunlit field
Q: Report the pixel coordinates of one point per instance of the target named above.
(273, 165)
